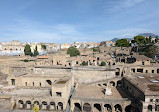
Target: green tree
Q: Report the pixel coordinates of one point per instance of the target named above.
(122, 43)
(96, 49)
(133, 41)
(156, 39)
(84, 63)
(43, 46)
(73, 51)
(36, 51)
(27, 50)
(150, 39)
(151, 51)
(102, 63)
(140, 40)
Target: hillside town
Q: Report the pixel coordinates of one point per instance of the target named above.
(120, 76)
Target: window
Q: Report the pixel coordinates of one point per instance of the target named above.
(40, 84)
(13, 81)
(157, 100)
(25, 83)
(33, 83)
(151, 100)
(143, 63)
(157, 70)
(140, 70)
(133, 70)
(59, 94)
(146, 71)
(152, 71)
(76, 62)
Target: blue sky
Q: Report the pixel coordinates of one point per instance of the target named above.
(67, 21)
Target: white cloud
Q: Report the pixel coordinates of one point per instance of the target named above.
(119, 5)
(26, 30)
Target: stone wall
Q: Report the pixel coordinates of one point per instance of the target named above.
(92, 75)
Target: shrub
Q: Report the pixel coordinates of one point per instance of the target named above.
(73, 51)
(84, 63)
(102, 63)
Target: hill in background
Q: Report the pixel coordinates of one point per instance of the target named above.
(148, 34)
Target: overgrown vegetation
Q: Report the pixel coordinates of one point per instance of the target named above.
(102, 63)
(73, 51)
(84, 63)
(151, 51)
(43, 46)
(36, 51)
(145, 46)
(26, 60)
(122, 43)
(95, 49)
(27, 51)
(139, 40)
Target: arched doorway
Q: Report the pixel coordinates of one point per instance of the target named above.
(157, 108)
(28, 104)
(36, 103)
(149, 108)
(112, 83)
(52, 106)
(117, 72)
(21, 104)
(97, 107)
(118, 108)
(60, 106)
(104, 84)
(44, 105)
(87, 107)
(77, 107)
(108, 108)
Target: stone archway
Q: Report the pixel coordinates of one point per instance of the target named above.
(44, 105)
(77, 107)
(104, 84)
(117, 72)
(87, 107)
(36, 103)
(60, 106)
(149, 108)
(52, 106)
(118, 108)
(28, 104)
(112, 83)
(21, 104)
(97, 107)
(157, 108)
(108, 108)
